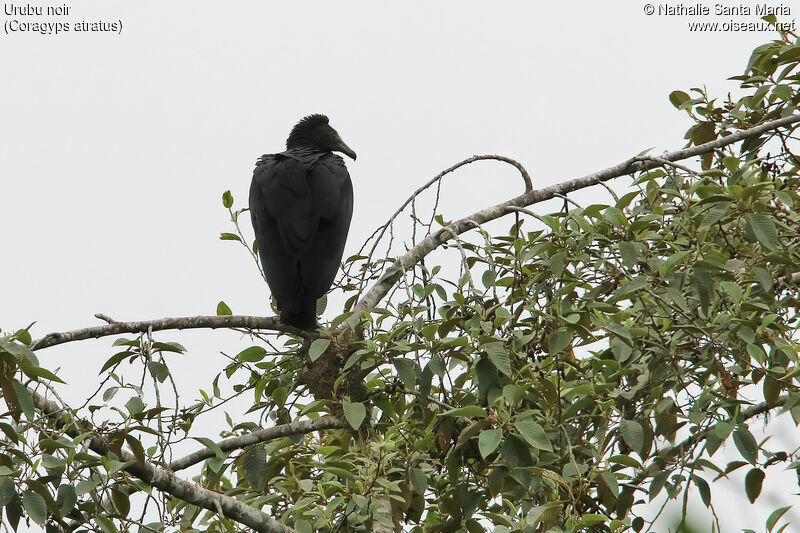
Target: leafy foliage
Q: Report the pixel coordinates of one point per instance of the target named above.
(553, 377)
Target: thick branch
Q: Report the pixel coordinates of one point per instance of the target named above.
(167, 481)
(188, 322)
(234, 443)
(635, 164)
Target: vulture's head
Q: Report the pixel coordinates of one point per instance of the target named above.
(314, 131)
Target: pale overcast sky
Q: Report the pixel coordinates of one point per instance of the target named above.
(116, 148)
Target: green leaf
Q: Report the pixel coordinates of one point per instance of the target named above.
(731, 163)
(557, 263)
(106, 524)
(626, 460)
(775, 516)
(471, 411)
(558, 341)
(405, 370)
(8, 491)
(746, 444)
(610, 481)
(173, 347)
(85, 486)
(135, 405)
(158, 370)
(24, 335)
(322, 304)
(355, 413)
(136, 447)
(223, 309)
(122, 341)
(437, 366)
(764, 278)
(765, 231)
(66, 498)
(678, 98)
(229, 237)
(254, 463)
(419, 481)
(757, 353)
(35, 506)
(619, 331)
(733, 290)
(722, 429)
(488, 441)
(657, 483)
(487, 376)
(109, 393)
(211, 445)
(753, 482)
(703, 132)
(715, 214)
(668, 266)
(114, 359)
(30, 367)
(499, 357)
(303, 526)
(279, 395)
(252, 354)
(52, 462)
(703, 488)
(629, 253)
(632, 433)
(317, 348)
(25, 399)
(589, 520)
(121, 501)
(634, 285)
(339, 472)
(227, 200)
(534, 434)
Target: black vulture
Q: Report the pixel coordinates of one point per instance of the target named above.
(301, 201)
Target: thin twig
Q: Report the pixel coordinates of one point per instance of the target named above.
(664, 162)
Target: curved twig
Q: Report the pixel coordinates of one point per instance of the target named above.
(187, 322)
(525, 176)
(381, 231)
(264, 435)
(635, 164)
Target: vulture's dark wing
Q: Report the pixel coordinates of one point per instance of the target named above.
(300, 204)
(332, 194)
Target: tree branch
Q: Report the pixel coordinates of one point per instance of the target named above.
(635, 164)
(667, 454)
(285, 430)
(188, 322)
(167, 481)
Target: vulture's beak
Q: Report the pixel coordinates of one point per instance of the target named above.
(346, 150)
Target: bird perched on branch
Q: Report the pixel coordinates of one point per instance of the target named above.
(301, 202)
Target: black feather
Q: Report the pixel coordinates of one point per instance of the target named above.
(301, 203)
